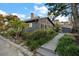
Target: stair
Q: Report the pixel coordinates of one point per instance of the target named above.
(38, 54)
(48, 50)
(44, 52)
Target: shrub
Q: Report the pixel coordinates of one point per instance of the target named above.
(67, 47)
(3, 34)
(38, 38)
(26, 35)
(57, 27)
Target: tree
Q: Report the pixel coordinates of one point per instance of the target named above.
(57, 25)
(12, 17)
(64, 10)
(75, 15)
(2, 23)
(58, 9)
(16, 28)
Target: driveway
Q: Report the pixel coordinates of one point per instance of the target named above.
(7, 49)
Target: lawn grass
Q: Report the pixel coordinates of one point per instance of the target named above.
(67, 47)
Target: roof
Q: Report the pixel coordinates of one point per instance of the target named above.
(31, 20)
(37, 19)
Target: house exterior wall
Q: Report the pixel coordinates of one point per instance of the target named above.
(44, 23)
(35, 25)
(41, 24)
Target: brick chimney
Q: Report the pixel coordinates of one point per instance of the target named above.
(32, 16)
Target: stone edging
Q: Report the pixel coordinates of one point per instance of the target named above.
(24, 51)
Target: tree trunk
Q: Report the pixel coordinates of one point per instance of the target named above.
(75, 16)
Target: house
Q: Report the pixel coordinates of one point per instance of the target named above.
(39, 23)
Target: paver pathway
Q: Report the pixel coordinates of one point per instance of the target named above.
(48, 49)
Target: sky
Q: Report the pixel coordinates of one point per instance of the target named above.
(23, 10)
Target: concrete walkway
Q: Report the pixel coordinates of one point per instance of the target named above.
(48, 49)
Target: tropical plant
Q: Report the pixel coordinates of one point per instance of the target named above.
(16, 27)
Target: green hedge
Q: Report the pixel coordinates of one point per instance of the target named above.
(67, 47)
(37, 38)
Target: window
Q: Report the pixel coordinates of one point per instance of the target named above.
(30, 24)
(41, 26)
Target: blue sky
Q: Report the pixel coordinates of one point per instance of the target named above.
(23, 10)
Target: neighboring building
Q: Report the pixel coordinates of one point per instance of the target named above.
(39, 23)
(66, 26)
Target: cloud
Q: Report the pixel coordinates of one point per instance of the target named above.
(40, 11)
(3, 12)
(28, 17)
(25, 8)
(41, 15)
(37, 3)
(22, 16)
(62, 18)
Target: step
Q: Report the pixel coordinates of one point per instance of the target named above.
(38, 54)
(48, 50)
(52, 44)
(45, 52)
